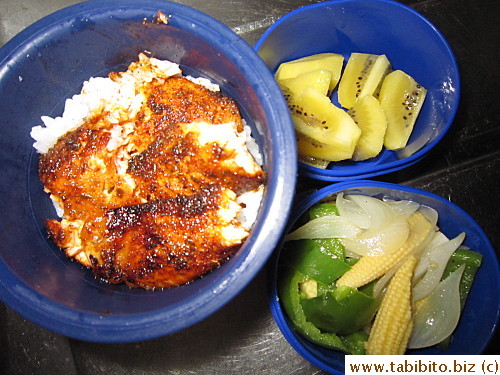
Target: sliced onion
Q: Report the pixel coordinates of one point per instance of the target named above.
(380, 285)
(379, 212)
(352, 211)
(331, 226)
(438, 316)
(404, 208)
(437, 259)
(423, 262)
(431, 240)
(430, 214)
(419, 249)
(382, 241)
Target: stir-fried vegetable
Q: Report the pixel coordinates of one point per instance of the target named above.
(435, 260)
(393, 325)
(437, 316)
(369, 268)
(471, 262)
(322, 260)
(365, 275)
(333, 311)
(290, 298)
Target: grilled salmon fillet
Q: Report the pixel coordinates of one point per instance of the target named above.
(150, 191)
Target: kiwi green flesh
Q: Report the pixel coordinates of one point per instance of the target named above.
(313, 162)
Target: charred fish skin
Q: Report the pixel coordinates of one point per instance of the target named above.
(146, 202)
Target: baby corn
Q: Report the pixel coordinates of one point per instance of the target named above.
(369, 268)
(393, 324)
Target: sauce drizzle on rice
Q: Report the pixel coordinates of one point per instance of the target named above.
(154, 176)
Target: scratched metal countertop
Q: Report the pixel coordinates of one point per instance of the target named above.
(242, 337)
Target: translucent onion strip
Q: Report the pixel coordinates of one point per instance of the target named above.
(423, 263)
(430, 240)
(382, 241)
(437, 259)
(437, 315)
(379, 212)
(353, 212)
(404, 208)
(430, 214)
(325, 227)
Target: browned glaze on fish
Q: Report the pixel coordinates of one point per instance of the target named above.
(155, 224)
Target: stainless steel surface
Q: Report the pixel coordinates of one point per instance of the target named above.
(246, 17)
(242, 337)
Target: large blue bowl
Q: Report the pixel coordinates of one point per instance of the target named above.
(47, 63)
(410, 42)
(481, 314)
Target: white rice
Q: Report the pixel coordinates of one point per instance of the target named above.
(99, 93)
(105, 95)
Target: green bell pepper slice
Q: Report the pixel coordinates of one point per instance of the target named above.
(290, 299)
(316, 258)
(343, 311)
(322, 259)
(472, 262)
(323, 209)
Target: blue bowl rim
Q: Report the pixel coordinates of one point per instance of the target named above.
(300, 208)
(396, 165)
(127, 328)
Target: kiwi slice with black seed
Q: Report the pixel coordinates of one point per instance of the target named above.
(401, 98)
(370, 117)
(362, 76)
(324, 130)
(312, 142)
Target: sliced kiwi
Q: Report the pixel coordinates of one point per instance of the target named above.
(370, 117)
(362, 76)
(314, 162)
(318, 79)
(321, 61)
(324, 131)
(311, 141)
(401, 98)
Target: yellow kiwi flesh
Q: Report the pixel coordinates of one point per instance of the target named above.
(318, 79)
(324, 131)
(368, 114)
(314, 143)
(401, 98)
(381, 106)
(321, 61)
(362, 76)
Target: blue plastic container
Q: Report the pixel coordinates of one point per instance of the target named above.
(47, 63)
(481, 314)
(410, 42)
